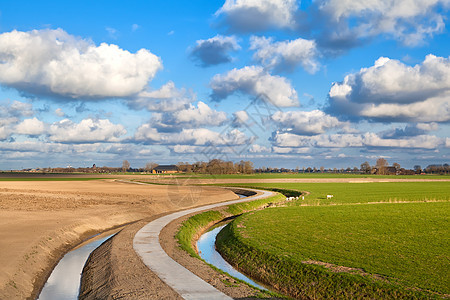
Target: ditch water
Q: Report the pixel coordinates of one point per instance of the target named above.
(64, 281)
(207, 250)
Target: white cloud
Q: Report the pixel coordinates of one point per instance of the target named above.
(433, 126)
(199, 116)
(215, 50)
(256, 15)
(30, 127)
(59, 112)
(53, 62)
(87, 131)
(285, 55)
(191, 117)
(255, 81)
(308, 122)
(167, 98)
(255, 148)
(391, 90)
(146, 133)
(16, 109)
(421, 141)
(135, 27)
(289, 150)
(411, 130)
(240, 118)
(409, 21)
(355, 140)
(191, 136)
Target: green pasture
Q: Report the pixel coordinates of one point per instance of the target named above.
(364, 192)
(405, 243)
(306, 175)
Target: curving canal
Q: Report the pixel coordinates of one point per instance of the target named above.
(207, 250)
(64, 281)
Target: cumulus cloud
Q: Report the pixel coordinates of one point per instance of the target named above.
(285, 55)
(16, 109)
(190, 117)
(215, 50)
(393, 91)
(166, 98)
(87, 131)
(258, 15)
(289, 150)
(255, 81)
(59, 112)
(409, 21)
(192, 136)
(308, 122)
(255, 148)
(240, 118)
(55, 63)
(30, 127)
(368, 140)
(411, 130)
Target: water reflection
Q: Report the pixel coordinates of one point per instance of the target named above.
(64, 282)
(207, 250)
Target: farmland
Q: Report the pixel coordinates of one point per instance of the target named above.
(396, 250)
(345, 193)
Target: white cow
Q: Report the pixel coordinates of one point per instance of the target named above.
(329, 196)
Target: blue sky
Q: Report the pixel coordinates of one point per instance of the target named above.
(282, 83)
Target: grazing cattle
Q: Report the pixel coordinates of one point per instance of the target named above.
(329, 196)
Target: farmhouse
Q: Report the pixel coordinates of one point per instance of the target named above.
(165, 169)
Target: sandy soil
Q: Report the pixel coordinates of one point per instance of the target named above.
(41, 220)
(115, 271)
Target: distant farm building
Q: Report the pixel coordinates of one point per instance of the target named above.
(165, 169)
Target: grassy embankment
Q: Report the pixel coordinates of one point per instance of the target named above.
(195, 224)
(190, 228)
(405, 243)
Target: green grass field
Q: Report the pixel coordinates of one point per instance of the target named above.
(405, 243)
(344, 193)
(308, 175)
(408, 242)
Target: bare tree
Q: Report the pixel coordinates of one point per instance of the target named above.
(381, 165)
(125, 165)
(150, 166)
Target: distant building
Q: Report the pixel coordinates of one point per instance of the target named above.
(165, 169)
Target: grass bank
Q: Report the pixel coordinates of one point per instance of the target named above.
(190, 228)
(382, 251)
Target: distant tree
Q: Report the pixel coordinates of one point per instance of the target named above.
(125, 165)
(418, 169)
(322, 169)
(150, 166)
(365, 167)
(396, 166)
(381, 165)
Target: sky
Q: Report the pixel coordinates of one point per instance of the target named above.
(282, 83)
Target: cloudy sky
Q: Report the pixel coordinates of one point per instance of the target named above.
(283, 83)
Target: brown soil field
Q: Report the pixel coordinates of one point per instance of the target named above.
(42, 220)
